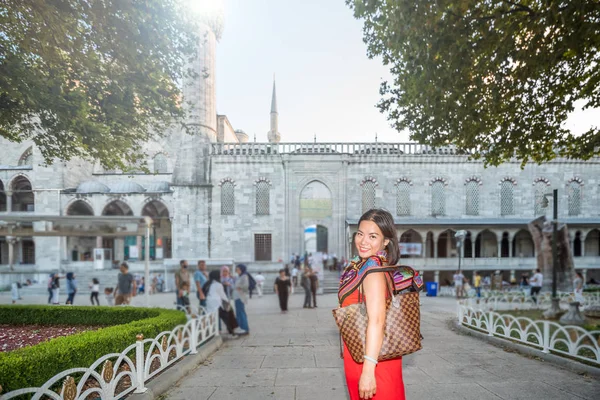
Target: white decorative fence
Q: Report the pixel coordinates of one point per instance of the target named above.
(116, 375)
(547, 336)
(516, 301)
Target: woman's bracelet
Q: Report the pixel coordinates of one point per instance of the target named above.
(366, 357)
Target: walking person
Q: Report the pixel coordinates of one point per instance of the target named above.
(377, 242)
(14, 292)
(282, 288)
(181, 276)
(260, 280)
(536, 282)
(314, 285)
(578, 288)
(95, 287)
(294, 278)
(200, 279)
(55, 288)
(125, 286)
(50, 285)
(305, 283)
(477, 284)
(71, 288)
(240, 297)
(216, 299)
(459, 280)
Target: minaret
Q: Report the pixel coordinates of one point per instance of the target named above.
(200, 102)
(274, 135)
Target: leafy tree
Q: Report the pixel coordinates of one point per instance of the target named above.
(92, 78)
(497, 78)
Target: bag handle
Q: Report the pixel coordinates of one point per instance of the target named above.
(389, 281)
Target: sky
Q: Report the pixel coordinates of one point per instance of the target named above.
(326, 84)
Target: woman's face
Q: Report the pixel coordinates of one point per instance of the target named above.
(282, 274)
(369, 239)
(225, 273)
(238, 271)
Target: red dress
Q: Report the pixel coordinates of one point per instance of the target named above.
(388, 374)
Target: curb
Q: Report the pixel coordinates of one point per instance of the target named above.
(166, 380)
(571, 365)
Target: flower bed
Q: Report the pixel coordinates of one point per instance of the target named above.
(34, 365)
(16, 337)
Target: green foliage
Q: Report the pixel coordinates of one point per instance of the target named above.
(33, 366)
(92, 79)
(495, 78)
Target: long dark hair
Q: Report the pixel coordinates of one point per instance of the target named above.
(213, 276)
(385, 222)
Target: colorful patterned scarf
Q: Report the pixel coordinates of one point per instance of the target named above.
(355, 273)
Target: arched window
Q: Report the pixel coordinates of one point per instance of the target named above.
(539, 188)
(438, 198)
(507, 197)
(574, 192)
(403, 198)
(263, 189)
(228, 198)
(23, 198)
(160, 164)
(368, 194)
(26, 157)
(472, 203)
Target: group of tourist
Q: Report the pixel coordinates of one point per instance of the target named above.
(216, 291)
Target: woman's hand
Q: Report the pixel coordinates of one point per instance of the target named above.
(367, 387)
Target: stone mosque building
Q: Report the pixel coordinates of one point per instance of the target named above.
(217, 196)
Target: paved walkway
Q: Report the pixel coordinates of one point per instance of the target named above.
(296, 356)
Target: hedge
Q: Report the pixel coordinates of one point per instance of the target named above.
(33, 366)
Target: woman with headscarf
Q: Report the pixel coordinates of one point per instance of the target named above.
(240, 297)
(216, 299)
(227, 281)
(71, 287)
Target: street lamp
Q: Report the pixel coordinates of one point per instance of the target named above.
(460, 237)
(554, 236)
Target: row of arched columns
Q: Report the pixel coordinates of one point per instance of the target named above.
(17, 195)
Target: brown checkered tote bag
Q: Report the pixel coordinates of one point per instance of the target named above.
(402, 332)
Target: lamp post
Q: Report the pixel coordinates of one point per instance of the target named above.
(460, 237)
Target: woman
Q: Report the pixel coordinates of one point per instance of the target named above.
(71, 287)
(95, 287)
(305, 283)
(227, 281)
(240, 297)
(578, 288)
(55, 288)
(282, 287)
(216, 299)
(50, 287)
(376, 241)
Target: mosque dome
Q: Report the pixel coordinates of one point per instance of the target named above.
(126, 187)
(92, 187)
(158, 187)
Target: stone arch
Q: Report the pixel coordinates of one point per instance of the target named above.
(486, 244)
(410, 236)
(161, 233)
(117, 207)
(160, 163)
(79, 207)
(315, 202)
(446, 244)
(3, 203)
(22, 196)
(592, 243)
(523, 244)
(577, 244)
(27, 157)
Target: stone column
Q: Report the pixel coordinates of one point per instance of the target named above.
(139, 247)
(499, 242)
(64, 248)
(435, 248)
(512, 275)
(8, 201)
(98, 242)
(424, 247)
(11, 251)
(584, 274)
(510, 247)
(436, 277)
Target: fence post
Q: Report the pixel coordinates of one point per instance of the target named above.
(490, 324)
(546, 338)
(194, 333)
(139, 363)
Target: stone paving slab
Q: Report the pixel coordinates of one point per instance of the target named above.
(300, 361)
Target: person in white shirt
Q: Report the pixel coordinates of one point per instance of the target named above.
(536, 284)
(294, 278)
(216, 299)
(459, 279)
(260, 279)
